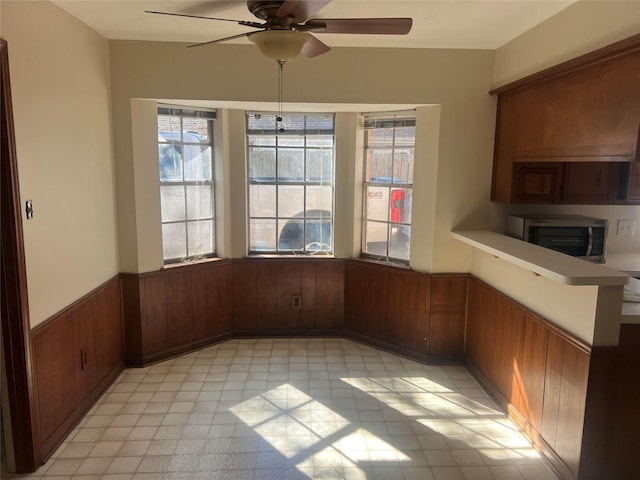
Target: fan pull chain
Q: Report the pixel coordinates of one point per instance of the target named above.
(279, 117)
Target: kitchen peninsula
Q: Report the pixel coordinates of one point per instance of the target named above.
(546, 334)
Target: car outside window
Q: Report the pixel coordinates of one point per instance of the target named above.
(388, 185)
(290, 182)
(185, 145)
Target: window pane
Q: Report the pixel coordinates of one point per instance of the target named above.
(172, 203)
(375, 240)
(290, 164)
(262, 200)
(325, 141)
(290, 140)
(174, 241)
(262, 140)
(406, 136)
(320, 165)
(200, 238)
(196, 130)
(380, 137)
(319, 201)
(378, 203)
(403, 165)
(379, 163)
(399, 241)
(262, 234)
(291, 201)
(291, 234)
(262, 164)
(170, 156)
(317, 234)
(197, 162)
(199, 202)
(166, 125)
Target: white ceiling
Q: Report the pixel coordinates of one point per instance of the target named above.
(476, 24)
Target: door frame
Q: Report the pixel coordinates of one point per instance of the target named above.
(17, 380)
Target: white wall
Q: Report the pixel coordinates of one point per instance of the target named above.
(458, 179)
(61, 102)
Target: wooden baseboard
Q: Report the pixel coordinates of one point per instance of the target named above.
(182, 349)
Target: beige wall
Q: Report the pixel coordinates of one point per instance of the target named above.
(60, 86)
(580, 28)
(460, 156)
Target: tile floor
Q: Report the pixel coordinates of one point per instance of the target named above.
(295, 409)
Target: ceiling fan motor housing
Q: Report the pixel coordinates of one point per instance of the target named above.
(265, 9)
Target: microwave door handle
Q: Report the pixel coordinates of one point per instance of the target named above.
(590, 246)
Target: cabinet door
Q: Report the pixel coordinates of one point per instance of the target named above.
(536, 182)
(446, 325)
(634, 183)
(595, 182)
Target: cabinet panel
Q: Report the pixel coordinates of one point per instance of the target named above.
(595, 182)
(219, 300)
(244, 295)
(179, 309)
(530, 371)
(634, 183)
(288, 283)
(585, 110)
(154, 315)
(330, 295)
(537, 182)
(447, 317)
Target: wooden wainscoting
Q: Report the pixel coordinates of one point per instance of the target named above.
(415, 314)
(176, 310)
(538, 372)
(263, 291)
(77, 354)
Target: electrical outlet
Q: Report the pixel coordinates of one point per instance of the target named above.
(296, 301)
(626, 228)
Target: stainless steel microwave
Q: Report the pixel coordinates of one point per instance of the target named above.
(576, 235)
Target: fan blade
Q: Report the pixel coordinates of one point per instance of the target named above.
(239, 22)
(314, 47)
(300, 10)
(221, 39)
(375, 26)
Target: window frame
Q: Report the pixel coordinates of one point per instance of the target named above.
(278, 182)
(385, 120)
(210, 117)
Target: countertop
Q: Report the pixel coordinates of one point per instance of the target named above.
(628, 263)
(631, 309)
(543, 261)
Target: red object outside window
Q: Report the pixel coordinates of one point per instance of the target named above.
(396, 202)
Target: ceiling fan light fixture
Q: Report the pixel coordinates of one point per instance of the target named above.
(281, 45)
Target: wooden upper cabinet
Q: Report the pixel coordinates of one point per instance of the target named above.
(586, 110)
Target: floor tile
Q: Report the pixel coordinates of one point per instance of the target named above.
(264, 409)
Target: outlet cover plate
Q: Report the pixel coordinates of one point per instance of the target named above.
(626, 228)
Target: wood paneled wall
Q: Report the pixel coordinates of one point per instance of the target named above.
(77, 354)
(537, 371)
(416, 314)
(176, 310)
(263, 290)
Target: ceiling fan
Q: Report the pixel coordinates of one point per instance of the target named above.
(287, 27)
